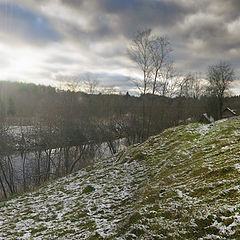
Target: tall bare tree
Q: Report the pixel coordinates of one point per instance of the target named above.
(140, 52)
(219, 77)
(91, 83)
(159, 53)
(151, 53)
(191, 86)
(168, 81)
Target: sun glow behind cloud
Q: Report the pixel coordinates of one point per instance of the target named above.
(28, 57)
(41, 40)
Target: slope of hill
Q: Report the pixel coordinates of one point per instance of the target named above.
(182, 184)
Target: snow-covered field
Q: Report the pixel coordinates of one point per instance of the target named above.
(182, 184)
(76, 206)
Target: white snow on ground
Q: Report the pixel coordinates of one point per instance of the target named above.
(237, 166)
(178, 185)
(204, 129)
(98, 199)
(179, 193)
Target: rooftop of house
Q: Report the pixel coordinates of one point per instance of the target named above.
(230, 110)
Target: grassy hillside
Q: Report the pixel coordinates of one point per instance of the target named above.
(182, 184)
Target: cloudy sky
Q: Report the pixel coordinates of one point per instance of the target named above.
(51, 41)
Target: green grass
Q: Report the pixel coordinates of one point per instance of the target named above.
(181, 184)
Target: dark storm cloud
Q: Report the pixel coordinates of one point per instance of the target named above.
(118, 5)
(100, 29)
(72, 3)
(124, 16)
(146, 12)
(228, 9)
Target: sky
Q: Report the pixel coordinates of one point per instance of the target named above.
(54, 41)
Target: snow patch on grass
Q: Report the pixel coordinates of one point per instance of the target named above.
(182, 184)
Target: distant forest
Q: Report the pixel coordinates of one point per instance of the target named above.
(26, 103)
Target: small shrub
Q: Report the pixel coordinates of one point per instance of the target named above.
(88, 189)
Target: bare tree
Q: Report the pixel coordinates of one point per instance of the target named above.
(72, 83)
(168, 81)
(191, 86)
(151, 53)
(219, 78)
(159, 50)
(140, 52)
(90, 83)
(7, 184)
